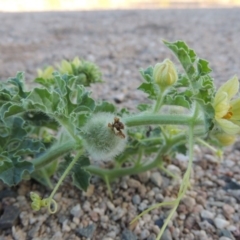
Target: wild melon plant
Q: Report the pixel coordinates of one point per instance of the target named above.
(58, 127)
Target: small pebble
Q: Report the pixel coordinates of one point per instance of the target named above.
(76, 211)
(156, 178)
(221, 223)
(9, 217)
(136, 199)
(128, 235)
(132, 183)
(86, 231)
(144, 176)
(228, 211)
(207, 214)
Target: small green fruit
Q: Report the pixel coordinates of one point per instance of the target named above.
(104, 136)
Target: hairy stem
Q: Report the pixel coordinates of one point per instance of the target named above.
(151, 119)
(53, 153)
(159, 101)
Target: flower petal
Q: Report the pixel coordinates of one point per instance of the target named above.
(221, 104)
(230, 87)
(228, 127)
(225, 139)
(235, 109)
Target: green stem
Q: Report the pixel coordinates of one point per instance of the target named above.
(120, 172)
(53, 153)
(167, 220)
(168, 119)
(185, 182)
(159, 102)
(106, 180)
(161, 167)
(207, 145)
(62, 178)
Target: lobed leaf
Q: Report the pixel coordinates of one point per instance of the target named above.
(12, 170)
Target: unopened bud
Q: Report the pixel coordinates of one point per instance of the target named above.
(225, 139)
(165, 74)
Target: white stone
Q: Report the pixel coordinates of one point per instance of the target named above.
(207, 214)
(221, 223)
(156, 178)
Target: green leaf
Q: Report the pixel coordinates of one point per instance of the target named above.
(28, 146)
(105, 107)
(43, 175)
(143, 107)
(185, 55)
(43, 100)
(80, 176)
(12, 170)
(203, 68)
(81, 179)
(60, 84)
(40, 119)
(11, 110)
(147, 74)
(46, 82)
(18, 81)
(150, 89)
(179, 100)
(81, 119)
(180, 149)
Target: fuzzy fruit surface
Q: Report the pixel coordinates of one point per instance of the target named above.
(103, 142)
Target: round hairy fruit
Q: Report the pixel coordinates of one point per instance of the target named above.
(104, 136)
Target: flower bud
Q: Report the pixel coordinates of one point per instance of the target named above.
(165, 74)
(46, 73)
(76, 62)
(104, 136)
(65, 67)
(225, 139)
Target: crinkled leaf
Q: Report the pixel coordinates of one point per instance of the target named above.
(143, 107)
(43, 100)
(40, 119)
(182, 81)
(81, 119)
(18, 81)
(87, 101)
(181, 149)
(105, 107)
(12, 110)
(149, 88)
(17, 129)
(81, 179)
(80, 176)
(203, 68)
(12, 170)
(46, 82)
(185, 55)
(147, 74)
(28, 146)
(60, 84)
(178, 100)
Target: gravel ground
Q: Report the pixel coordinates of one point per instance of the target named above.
(121, 42)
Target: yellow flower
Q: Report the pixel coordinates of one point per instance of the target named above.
(225, 139)
(46, 73)
(227, 111)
